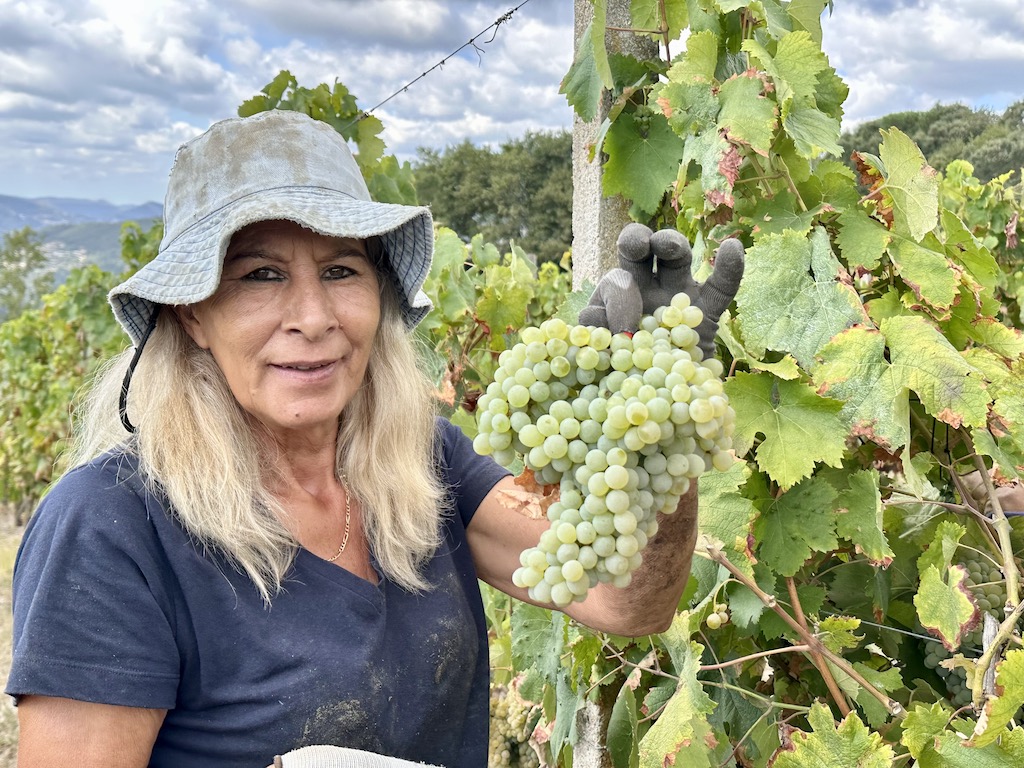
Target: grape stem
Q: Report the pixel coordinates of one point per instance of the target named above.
(989, 655)
(816, 658)
(715, 553)
(1002, 526)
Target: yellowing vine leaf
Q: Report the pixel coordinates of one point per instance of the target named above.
(921, 727)
(852, 368)
(926, 270)
(790, 299)
(851, 745)
(747, 116)
(947, 384)
(837, 633)
(998, 712)
(911, 183)
(945, 608)
(800, 427)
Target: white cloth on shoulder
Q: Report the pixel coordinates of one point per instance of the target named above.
(321, 756)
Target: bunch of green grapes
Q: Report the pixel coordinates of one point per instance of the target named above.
(985, 581)
(620, 423)
(512, 720)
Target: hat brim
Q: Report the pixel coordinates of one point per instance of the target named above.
(188, 269)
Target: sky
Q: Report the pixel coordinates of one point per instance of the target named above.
(96, 95)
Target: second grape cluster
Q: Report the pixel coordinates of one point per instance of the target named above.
(620, 423)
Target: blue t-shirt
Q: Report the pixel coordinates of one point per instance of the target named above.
(114, 603)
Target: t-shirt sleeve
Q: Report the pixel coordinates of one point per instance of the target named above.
(469, 475)
(93, 613)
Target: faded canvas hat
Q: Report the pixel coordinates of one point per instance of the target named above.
(273, 165)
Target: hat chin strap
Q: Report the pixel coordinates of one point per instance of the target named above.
(122, 405)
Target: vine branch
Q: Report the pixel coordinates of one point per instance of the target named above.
(819, 662)
(891, 705)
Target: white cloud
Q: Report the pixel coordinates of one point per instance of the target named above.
(95, 95)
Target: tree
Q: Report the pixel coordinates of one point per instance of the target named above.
(520, 194)
(25, 273)
(993, 144)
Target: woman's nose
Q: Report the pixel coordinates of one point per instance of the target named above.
(309, 309)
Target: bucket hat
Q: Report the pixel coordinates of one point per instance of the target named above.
(273, 165)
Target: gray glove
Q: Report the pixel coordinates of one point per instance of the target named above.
(654, 267)
(321, 756)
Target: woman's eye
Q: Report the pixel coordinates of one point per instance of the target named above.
(263, 273)
(338, 272)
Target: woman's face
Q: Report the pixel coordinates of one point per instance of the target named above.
(291, 325)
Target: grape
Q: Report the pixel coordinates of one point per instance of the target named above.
(621, 424)
(512, 722)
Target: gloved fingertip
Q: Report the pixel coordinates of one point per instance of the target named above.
(669, 245)
(634, 243)
(729, 260)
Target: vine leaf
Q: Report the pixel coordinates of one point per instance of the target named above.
(945, 608)
(537, 639)
(797, 523)
(859, 517)
(922, 726)
(583, 82)
(998, 712)
(926, 270)
(945, 542)
(800, 427)
(947, 384)
(813, 131)
(507, 292)
(646, 14)
(726, 516)
(622, 731)
(852, 368)
(911, 183)
(790, 299)
(837, 633)
(851, 745)
(682, 727)
(951, 752)
(746, 115)
(795, 66)
(862, 239)
(644, 158)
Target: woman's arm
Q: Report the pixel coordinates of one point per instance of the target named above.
(56, 732)
(497, 534)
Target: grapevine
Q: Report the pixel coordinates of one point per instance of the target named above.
(620, 423)
(988, 589)
(512, 721)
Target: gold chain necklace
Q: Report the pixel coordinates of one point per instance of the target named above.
(348, 519)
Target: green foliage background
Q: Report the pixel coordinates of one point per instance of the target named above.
(519, 194)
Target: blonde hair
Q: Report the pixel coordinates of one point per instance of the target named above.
(196, 444)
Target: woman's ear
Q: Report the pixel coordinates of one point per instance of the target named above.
(190, 322)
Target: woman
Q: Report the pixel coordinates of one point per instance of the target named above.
(273, 543)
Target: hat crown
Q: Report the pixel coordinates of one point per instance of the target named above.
(239, 157)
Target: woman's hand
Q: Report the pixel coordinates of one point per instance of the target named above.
(56, 732)
(498, 533)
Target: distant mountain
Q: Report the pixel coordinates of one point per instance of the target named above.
(40, 212)
(75, 231)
